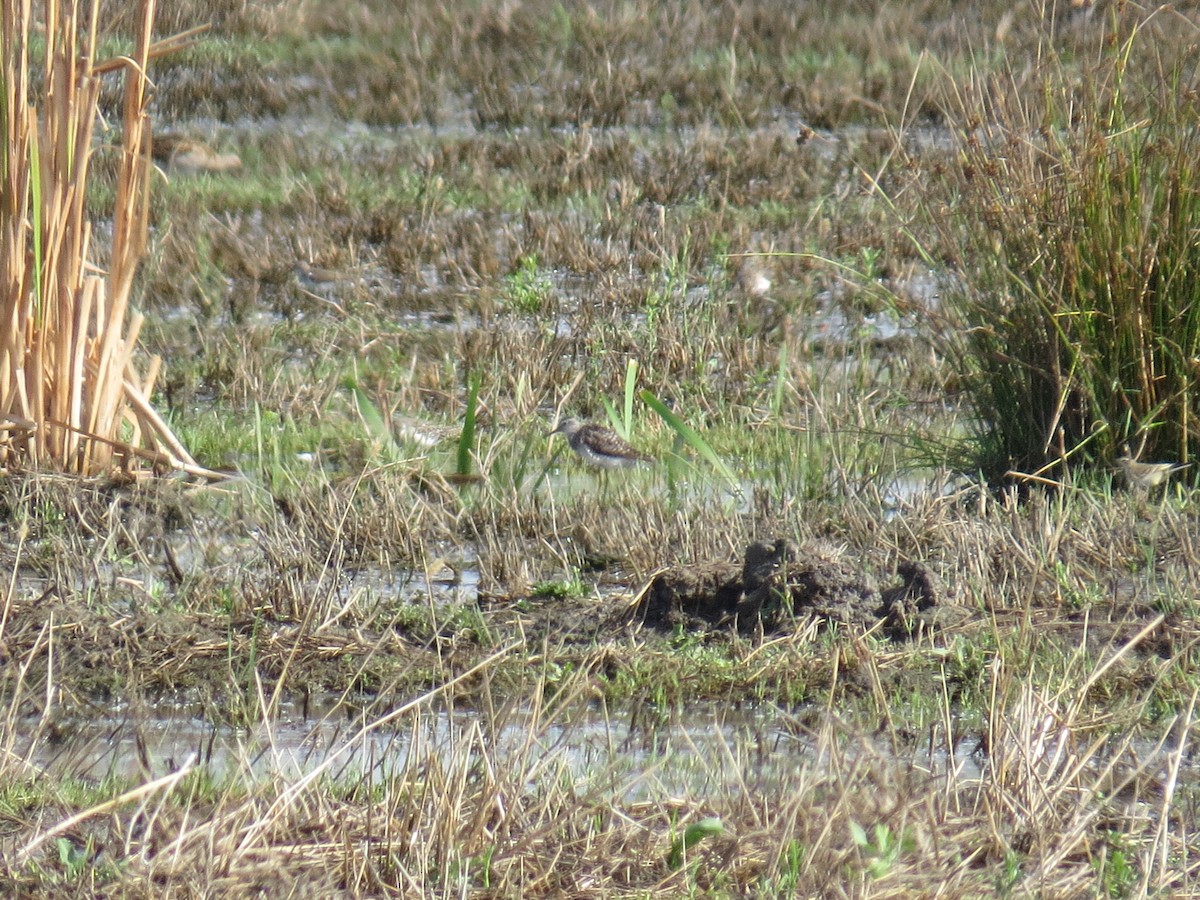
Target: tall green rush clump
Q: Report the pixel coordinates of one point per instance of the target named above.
(1074, 227)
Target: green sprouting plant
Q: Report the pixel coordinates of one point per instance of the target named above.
(73, 857)
(791, 865)
(780, 383)
(1074, 596)
(1009, 875)
(525, 288)
(1115, 870)
(378, 432)
(623, 422)
(466, 441)
(657, 300)
(631, 373)
(868, 258)
(692, 835)
(559, 590)
(484, 861)
(468, 620)
(686, 435)
(673, 282)
(882, 847)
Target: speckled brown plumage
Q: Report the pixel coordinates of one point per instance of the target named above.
(599, 446)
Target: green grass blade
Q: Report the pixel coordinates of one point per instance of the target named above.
(780, 382)
(691, 438)
(376, 427)
(694, 834)
(614, 418)
(466, 441)
(631, 373)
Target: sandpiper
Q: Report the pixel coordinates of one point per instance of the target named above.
(599, 446)
(177, 153)
(314, 277)
(752, 276)
(1146, 475)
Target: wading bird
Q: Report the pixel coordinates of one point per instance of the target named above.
(599, 446)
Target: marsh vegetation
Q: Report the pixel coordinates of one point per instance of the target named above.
(885, 288)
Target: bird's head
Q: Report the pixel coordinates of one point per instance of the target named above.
(566, 427)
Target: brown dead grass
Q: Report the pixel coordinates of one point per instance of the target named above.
(238, 596)
(70, 395)
(502, 818)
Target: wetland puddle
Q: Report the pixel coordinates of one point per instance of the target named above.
(641, 753)
(637, 754)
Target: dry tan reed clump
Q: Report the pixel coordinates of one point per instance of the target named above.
(70, 395)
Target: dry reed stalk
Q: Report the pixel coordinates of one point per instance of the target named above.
(70, 396)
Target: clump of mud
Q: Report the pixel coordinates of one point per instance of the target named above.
(782, 587)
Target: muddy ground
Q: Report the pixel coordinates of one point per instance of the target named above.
(163, 623)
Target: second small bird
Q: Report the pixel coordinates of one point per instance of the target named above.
(1146, 475)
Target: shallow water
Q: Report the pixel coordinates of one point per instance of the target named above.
(710, 745)
(637, 754)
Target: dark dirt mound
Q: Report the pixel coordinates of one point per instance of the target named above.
(782, 587)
